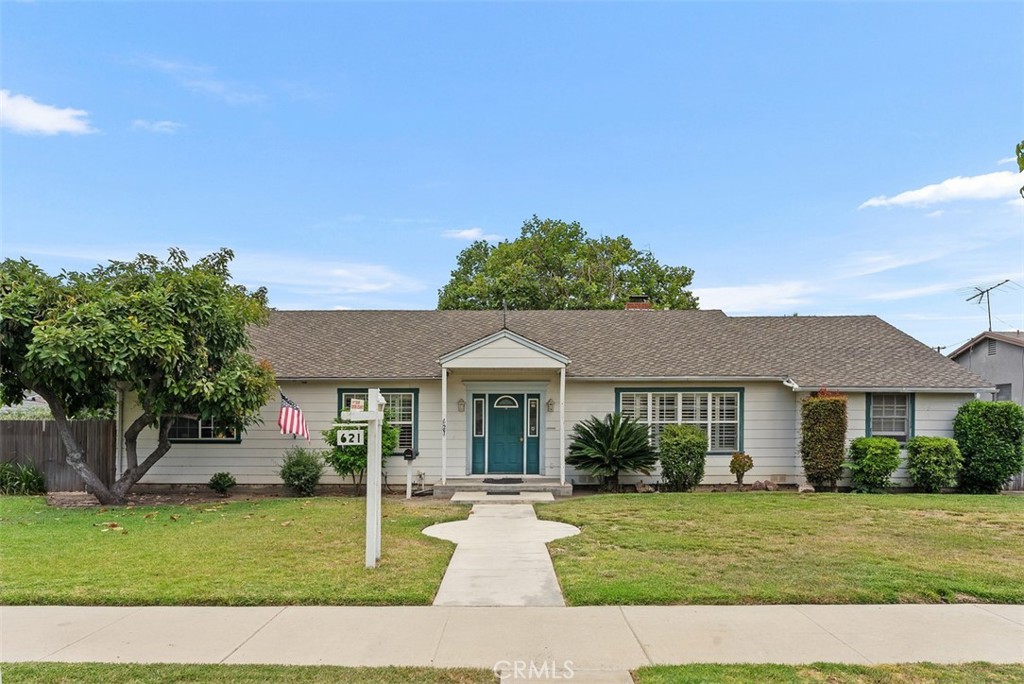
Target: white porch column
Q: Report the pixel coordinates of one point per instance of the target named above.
(444, 425)
(561, 425)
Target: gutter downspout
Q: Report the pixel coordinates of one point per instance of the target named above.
(119, 465)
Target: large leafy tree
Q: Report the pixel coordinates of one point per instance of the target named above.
(173, 333)
(555, 265)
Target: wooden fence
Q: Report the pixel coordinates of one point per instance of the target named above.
(37, 442)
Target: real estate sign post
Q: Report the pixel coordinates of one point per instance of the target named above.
(374, 418)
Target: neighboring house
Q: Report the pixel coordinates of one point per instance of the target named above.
(492, 393)
(999, 358)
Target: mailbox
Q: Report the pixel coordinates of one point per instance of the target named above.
(409, 454)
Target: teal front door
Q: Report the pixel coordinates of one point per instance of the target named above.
(505, 433)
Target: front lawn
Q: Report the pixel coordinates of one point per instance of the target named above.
(818, 673)
(746, 548)
(239, 553)
(91, 673)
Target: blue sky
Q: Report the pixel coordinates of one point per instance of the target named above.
(819, 158)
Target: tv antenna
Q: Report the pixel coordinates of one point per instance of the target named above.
(985, 294)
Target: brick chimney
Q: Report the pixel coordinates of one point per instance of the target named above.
(638, 302)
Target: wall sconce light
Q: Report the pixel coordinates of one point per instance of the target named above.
(551, 405)
(462, 405)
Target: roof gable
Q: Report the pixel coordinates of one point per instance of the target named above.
(503, 349)
(1014, 337)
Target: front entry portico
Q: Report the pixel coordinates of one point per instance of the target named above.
(504, 415)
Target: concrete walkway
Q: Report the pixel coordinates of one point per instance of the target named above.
(600, 644)
(501, 558)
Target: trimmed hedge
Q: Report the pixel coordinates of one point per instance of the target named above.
(872, 462)
(990, 435)
(933, 462)
(683, 450)
(823, 437)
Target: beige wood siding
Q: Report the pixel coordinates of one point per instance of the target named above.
(503, 353)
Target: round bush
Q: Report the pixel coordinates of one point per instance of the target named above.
(683, 450)
(872, 462)
(222, 482)
(301, 470)
(933, 462)
(990, 435)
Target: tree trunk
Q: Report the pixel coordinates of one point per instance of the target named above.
(135, 470)
(76, 454)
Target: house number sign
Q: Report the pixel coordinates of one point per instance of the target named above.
(351, 437)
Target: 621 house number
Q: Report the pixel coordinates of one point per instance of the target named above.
(351, 437)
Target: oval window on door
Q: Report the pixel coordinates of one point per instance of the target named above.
(506, 402)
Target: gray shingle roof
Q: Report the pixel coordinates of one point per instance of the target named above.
(826, 351)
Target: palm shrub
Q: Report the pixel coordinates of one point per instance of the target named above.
(606, 447)
(872, 462)
(933, 462)
(823, 438)
(683, 450)
(990, 435)
(301, 470)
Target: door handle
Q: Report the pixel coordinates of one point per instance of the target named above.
(520, 439)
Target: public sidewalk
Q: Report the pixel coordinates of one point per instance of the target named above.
(601, 643)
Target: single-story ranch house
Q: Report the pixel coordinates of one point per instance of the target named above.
(492, 393)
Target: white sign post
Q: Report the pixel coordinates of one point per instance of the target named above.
(374, 418)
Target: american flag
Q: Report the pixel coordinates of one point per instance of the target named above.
(290, 419)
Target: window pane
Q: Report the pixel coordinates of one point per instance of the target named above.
(532, 418)
(665, 407)
(347, 397)
(890, 415)
(634, 405)
(478, 417)
(724, 437)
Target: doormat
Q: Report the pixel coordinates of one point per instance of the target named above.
(503, 480)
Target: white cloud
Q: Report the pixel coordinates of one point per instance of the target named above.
(166, 127)
(202, 79)
(997, 185)
(470, 234)
(935, 214)
(1006, 160)
(24, 115)
(763, 298)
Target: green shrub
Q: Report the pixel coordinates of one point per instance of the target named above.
(739, 465)
(606, 447)
(823, 438)
(301, 470)
(933, 462)
(683, 449)
(222, 482)
(872, 462)
(21, 478)
(350, 461)
(990, 435)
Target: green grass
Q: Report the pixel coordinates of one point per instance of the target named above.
(68, 673)
(818, 673)
(241, 553)
(825, 673)
(742, 548)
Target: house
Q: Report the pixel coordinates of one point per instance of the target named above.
(492, 393)
(999, 358)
